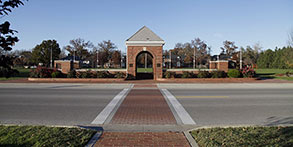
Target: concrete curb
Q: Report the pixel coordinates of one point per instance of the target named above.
(190, 139)
(94, 139)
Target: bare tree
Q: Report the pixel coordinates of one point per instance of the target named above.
(251, 54)
(290, 39)
(105, 51)
(192, 53)
(229, 47)
(79, 47)
(200, 50)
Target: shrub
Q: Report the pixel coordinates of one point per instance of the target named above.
(119, 75)
(234, 73)
(42, 72)
(289, 74)
(169, 74)
(87, 74)
(248, 72)
(203, 74)
(7, 72)
(102, 74)
(56, 74)
(71, 74)
(218, 74)
(130, 77)
(186, 74)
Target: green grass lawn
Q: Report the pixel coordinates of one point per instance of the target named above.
(271, 73)
(244, 136)
(44, 136)
(23, 73)
(144, 70)
(11, 78)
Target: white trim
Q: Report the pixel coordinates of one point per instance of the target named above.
(219, 61)
(118, 70)
(163, 42)
(101, 118)
(191, 69)
(145, 43)
(181, 112)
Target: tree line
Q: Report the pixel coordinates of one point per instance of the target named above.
(197, 53)
(78, 49)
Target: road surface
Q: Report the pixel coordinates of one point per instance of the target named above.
(207, 104)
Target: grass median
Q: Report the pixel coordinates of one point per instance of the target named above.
(244, 136)
(44, 136)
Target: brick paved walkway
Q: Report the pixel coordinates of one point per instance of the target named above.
(163, 139)
(144, 107)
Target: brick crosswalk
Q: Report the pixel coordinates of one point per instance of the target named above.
(152, 139)
(144, 105)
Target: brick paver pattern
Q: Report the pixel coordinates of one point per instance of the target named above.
(144, 107)
(162, 139)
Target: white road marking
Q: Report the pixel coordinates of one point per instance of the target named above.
(181, 112)
(101, 118)
(203, 96)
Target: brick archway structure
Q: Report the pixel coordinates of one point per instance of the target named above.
(145, 40)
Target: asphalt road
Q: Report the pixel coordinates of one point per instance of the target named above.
(48, 104)
(213, 107)
(207, 104)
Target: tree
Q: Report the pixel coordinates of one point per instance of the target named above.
(23, 58)
(105, 50)
(201, 50)
(116, 57)
(265, 59)
(194, 52)
(79, 48)
(42, 52)
(229, 48)
(290, 39)
(251, 54)
(7, 38)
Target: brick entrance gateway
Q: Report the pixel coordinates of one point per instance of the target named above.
(145, 40)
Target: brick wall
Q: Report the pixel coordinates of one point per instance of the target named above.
(223, 66)
(220, 65)
(66, 66)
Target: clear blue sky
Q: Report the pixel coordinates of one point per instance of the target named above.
(244, 21)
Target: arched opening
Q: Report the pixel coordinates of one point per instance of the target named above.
(144, 66)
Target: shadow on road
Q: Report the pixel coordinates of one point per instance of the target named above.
(273, 121)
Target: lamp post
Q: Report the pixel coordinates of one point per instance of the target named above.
(240, 58)
(170, 64)
(178, 63)
(194, 58)
(121, 58)
(51, 58)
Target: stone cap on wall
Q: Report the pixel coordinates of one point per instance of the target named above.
(191, 70)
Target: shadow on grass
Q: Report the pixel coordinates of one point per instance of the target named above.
(96, 128)
(265, 76)
(16, 145)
